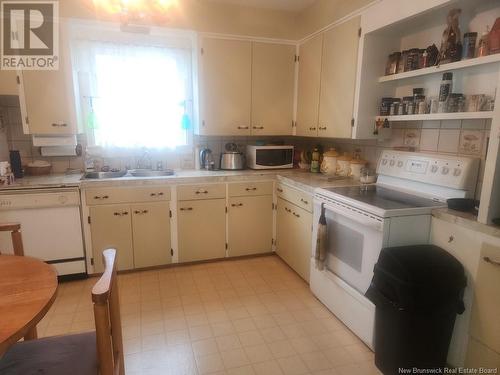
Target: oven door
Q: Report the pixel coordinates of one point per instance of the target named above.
(354, 241)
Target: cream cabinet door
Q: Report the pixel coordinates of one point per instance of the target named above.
(151, 234)
(273, 76)
(111, 227)
(250, 225)
(283, 225)
(225, 87)
(309, 86)
(8, 82)
(201, 229)
(338, 79)
(48, 97)
(294, 235)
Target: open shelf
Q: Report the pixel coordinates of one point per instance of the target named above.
(441, 116)
(443, 68)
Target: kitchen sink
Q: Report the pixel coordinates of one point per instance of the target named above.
(102, 175)
(151, 173)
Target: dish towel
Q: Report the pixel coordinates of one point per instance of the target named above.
(320, 253)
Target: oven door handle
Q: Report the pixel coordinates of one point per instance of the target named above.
(367, 222)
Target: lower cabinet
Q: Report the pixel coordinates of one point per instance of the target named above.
(201, 229)
(293, 237)
(111, 227)
(140, 233)
(151, 234)
(250, 225)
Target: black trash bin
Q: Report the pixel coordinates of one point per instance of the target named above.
(417, 291)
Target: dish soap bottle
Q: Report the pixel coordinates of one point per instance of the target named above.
(315, 161)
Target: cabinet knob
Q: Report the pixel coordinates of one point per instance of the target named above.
(451, 239)
(137, 212)
(101, 197)
(243, 127)
(202, 192)
(312, 128)
(186, 208)
(295, 214)
(251, 189)
(304, 201)
(258, 127)
(59, 124)
(287, 209)
(322, 128)
(236, 204)
(279, 190)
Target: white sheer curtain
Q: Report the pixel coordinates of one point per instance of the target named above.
(139, 96)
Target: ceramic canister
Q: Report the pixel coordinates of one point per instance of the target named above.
(329, 163)
(344, 165)
(356, 167)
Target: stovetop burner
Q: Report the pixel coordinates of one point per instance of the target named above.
(384, 198)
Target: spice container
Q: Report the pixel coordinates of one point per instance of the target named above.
(433, 105)
(344, 165)
(412, 60)
(473, 103)
(483, 49)
(394, 110)
(385, 106)
(402, 61)
(444, 91)
(408, 105)
(455, 103)
(469, 46)
(392, 63)
(420, 105)
(329, 163)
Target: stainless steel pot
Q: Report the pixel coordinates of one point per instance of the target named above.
(232, 160)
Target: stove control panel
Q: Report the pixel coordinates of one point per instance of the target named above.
(455, 172)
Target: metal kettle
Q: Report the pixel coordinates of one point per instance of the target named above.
(232, 159)
(206, 159)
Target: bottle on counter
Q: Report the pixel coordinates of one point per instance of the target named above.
(315, 161)
(483, 49)
(445, 91)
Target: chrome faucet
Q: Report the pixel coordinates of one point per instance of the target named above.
(145, 161)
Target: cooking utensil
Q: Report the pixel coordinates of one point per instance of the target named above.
(206, 159)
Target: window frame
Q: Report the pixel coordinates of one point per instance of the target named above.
(112, 32)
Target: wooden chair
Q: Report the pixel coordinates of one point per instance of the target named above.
(99, 352)
(15, 233)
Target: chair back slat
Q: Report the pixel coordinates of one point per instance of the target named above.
(15, 234)
(107, 318)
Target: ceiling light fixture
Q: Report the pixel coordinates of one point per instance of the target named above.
(136, 11)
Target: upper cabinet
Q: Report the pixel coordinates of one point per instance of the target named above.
(338, 77)
(309, 86)
(273, 74)
(47, 97)
(225, 87)
(8, 82)
(327, 81)
(246, 88)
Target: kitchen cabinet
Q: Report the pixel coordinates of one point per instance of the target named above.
(309, 86)
(48, 101)
(8, 82)
(111, 227)
(273, 76)
(225, 87)
(151, 234)
(338, 77)
(201, 229)
(294, 236)
(250, 225)
(246, 88)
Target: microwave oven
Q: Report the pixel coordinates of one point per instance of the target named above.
(269, 157)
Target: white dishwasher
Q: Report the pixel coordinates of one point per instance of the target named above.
(50, 225)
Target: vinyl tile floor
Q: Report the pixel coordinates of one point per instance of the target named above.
(247, 316)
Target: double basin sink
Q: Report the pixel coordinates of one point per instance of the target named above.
(132, 173)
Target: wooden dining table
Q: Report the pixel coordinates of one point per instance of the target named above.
(28, 289)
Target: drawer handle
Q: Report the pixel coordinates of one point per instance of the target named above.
(236, 204)
(304, 201)
(59, 125)
(186, 208)
(202, 192)
(156, 194)
(258, 127)
(280, 190)
(120, 213)
(251, 189)
(296, 215)
(451, 239)
(312, 128)
(287, 209)
(490, 261)
(140, 212)
(243, 127)
(101, 197)
(322, 128)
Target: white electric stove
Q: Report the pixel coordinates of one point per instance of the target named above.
(395, 211)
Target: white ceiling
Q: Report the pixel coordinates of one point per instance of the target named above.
(288, 5)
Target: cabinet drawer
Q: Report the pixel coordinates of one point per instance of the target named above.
(295, 196)
(202, 191)
(241, 189)
(127, 195)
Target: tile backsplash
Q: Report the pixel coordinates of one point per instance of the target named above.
(450, 137)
